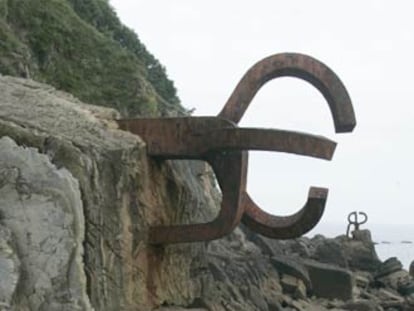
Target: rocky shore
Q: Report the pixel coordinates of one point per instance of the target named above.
(339, 273)
(77, 196)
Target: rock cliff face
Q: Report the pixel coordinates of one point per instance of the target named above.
(71, 180)
(77, 196)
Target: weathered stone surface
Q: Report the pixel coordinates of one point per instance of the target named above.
(409, 303)
(361, 280)
(406, 287)
(9, 268)
(361, 305)
(394, 279)
(388, 297)
(299, 247)
(41, 207)
(411, 269)
(331, 251)
(329, 281)
(360, 253)
(267, 246)
(389, 266)
(179, 309)
(362, 235)
(239, 277)
(293, 286)
(120, 192)
(290, 266)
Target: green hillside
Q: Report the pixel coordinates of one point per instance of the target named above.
(80, 46)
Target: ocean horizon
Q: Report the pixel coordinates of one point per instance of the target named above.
(391, 240)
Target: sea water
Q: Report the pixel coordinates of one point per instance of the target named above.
(391, 240)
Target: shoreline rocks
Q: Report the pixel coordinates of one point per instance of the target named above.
(84, 196)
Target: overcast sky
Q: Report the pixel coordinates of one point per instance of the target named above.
(207, 46)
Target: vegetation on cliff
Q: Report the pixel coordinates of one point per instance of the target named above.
(80, 46)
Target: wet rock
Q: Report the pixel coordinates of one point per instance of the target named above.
(329, 281)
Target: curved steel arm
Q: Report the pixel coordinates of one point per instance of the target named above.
(231, 172)
(332, 88)
(293, 65)
(270, 140)
(286, 227)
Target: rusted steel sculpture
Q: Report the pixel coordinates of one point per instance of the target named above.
(355, 222)
(224, 145)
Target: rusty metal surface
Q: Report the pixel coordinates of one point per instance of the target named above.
(293, 65)
(220, 142)
(194, 137)
(231, 171)
(286, 227)
(321, 77)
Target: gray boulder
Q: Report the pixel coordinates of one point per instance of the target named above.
(360, 252)
(329, 281)
(331, 251)
(387, 267)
